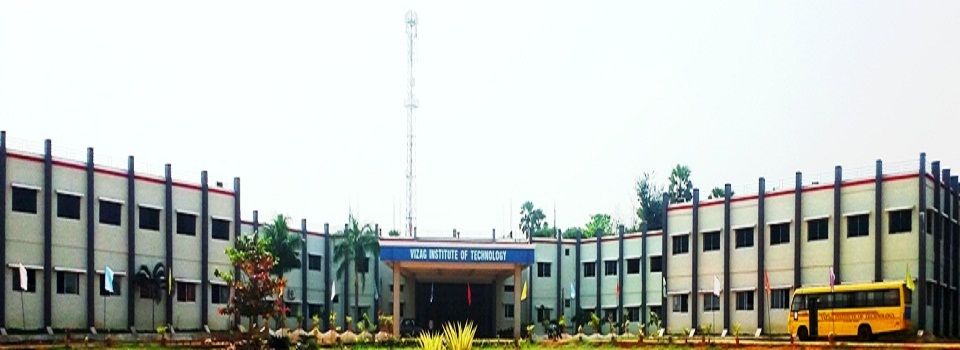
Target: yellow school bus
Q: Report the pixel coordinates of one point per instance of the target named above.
(862, 310)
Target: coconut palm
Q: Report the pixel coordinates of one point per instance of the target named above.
(355, 244)
(154, 281)
(681, 187)
(284, 246)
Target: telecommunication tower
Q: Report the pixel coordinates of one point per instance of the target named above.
(411, 23)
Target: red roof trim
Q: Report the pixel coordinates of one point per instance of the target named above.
(812, 188)
(112, 172)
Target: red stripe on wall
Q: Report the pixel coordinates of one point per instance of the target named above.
(112, 172)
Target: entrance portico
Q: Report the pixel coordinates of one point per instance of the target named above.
(457, 263)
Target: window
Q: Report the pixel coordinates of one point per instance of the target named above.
(24, 200)
(818, 229)
(543, 314)
(31, 280)
(220, 229)
(566, 302)
(780, 298)
(681, 244)
(633, 266)
(711, 241)
(186, 292)
(901, 221)
(220, 294)
(149, 218)
(293, 309)
(745, 300)
(711, 302)
(610, 268)
(744, 237)
(632, 313)
(68, 206)
(507, 288)
(146, 292)
(610, 314)
(317, 310)
(116, 286)
(656, 309)
(507, 310)
(858, 225)
(110, 212)
(314, 262)
(656, 263)
(780, 233)
(543, 269)
(186, 224)
(68, 282)
(590, 269)
(336, 298)
(566, 252)
(680, 303)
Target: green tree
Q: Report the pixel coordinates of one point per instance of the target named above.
(251, 256)
(393, 233)
(531, 218)
(681, 187)
(650, 196)
(282, 245)
(598, 222)
(546, 231)
(154, 282)
(355, 245)
(717, 192)
(572, 232)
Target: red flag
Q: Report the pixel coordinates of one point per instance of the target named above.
(766, 281)
(618, 288)
(469, 295)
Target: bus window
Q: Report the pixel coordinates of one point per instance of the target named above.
(799, 303)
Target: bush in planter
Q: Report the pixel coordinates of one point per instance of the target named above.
(595, 323)
(459, 336)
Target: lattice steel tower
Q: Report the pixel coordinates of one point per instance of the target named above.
(411, 104)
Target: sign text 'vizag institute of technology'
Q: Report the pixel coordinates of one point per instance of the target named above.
(477, 255)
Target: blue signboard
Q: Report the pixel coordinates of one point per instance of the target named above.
(458, 254)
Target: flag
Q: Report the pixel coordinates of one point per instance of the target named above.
(618, 288)
(170, 282)
(907, 279)
(573, 292)
(333, 291)
(766, 281)
(23, 277)
(523, 293)
(108, 279)
(376, 296)
(716, 285)
(833, 279)
(469, 295)
(431, 293)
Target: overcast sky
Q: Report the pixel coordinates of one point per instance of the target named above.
(561, 103)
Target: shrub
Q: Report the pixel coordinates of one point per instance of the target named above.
(428, 341)
(459, 336)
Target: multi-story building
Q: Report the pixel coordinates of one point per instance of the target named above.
(67, 220)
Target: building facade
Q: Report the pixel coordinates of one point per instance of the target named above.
(65, 221)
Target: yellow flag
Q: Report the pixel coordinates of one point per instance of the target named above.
(523, 293)
(170, 283)
(909, 280)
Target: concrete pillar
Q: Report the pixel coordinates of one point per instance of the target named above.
(396, 298)
(727, 193)
(921, 294)
(47, 234)
(132, 244)
(878, 217)
(91, 274)
(837, 222)
(326, 276)
(643, 273)
(304, 261)
(797, 226)
(937, 237)
(516, 303)
(3, 227)
(664, 258)
(761, 254)
(695, 264)
(168, 238)
(204, 249)
(559, 277)
(620, 273)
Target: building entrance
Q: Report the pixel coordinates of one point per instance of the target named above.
(448, 302)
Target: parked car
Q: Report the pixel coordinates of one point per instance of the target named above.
(409, 328)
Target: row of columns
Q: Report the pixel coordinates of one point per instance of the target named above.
(90, 235)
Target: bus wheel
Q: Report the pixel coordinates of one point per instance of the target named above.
(802, 334)
(864, 332)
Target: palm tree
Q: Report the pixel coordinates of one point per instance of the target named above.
(355, 245)
(681, 188)
(154, 281)
(530, 218)
(285, 248)
(282, 245)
